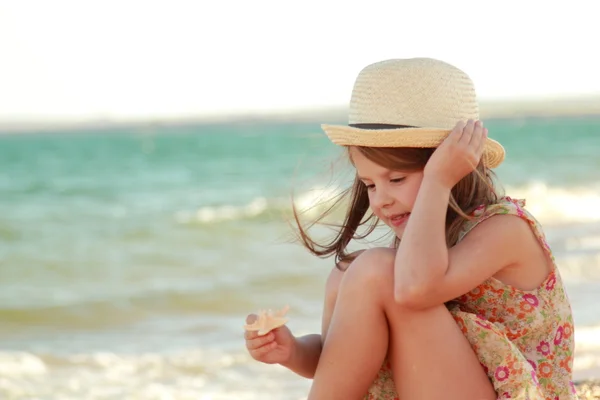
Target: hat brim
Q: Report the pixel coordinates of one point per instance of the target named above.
(493, 153)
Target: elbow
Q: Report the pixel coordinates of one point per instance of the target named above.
(411, 296)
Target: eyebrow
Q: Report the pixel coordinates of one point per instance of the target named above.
(385, 174)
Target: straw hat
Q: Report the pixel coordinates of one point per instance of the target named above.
(410, 103)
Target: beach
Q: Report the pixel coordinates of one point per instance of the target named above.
(130, 255)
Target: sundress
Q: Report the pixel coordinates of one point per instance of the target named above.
(523, 338)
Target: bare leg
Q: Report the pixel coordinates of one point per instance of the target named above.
(432, 359)
(429, 355)
(357, 339)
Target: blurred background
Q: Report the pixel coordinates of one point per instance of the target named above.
(150, 149)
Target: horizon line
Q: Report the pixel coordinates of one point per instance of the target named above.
(491, 108)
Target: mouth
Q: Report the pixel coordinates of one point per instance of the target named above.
(398, 219)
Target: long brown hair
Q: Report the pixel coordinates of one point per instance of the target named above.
(475, 189)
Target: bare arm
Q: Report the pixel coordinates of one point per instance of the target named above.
(501, 243)
(422, 257)
(426, 272)
(305, 356)
(307, 350)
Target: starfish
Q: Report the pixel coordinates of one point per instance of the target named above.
(267, 321)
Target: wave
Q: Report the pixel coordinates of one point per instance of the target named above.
(310, 202)
(227, 212)
(215, 373)
(123, 309)
(191, 374)
(559, 205)
(587, 350)
(587, 338)
(550, 205)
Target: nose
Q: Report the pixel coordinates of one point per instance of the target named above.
(381, 199)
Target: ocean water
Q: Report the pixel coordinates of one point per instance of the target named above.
(129, 257)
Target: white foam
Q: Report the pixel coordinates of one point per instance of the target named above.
(21, 365)
(550, 205)
(194, 374)
(314, 200)
(225, 212)
(587, 350)
(559, 205)
(587, 338)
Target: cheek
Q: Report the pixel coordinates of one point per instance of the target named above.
(407, 195)
(412, 195)
(412, 191)
(376, 210)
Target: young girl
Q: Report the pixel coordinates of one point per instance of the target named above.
(468, 303)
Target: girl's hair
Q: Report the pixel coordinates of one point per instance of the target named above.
(474, 190)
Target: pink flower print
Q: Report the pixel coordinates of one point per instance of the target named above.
(559, 335)
(479, 210)
(505, 395)
(531, 299)
(534, 378)
(482, 322)
(543, 347)
(551, 282)
(573, 390)
(502, 373)
(532, 363)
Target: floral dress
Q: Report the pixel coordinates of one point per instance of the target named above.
(524, 339)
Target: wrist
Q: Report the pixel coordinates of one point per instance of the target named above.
(293, 355)
(437, 181)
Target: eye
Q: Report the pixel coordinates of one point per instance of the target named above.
(369, 186)
(397, 180)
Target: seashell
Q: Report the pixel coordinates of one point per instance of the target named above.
(267, 321)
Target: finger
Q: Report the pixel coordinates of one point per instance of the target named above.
(259, 341)
(249, 335)
(477, 137)
(457, 131)
(251, 318)
(261, 351)
(481, 146)
(467, 132)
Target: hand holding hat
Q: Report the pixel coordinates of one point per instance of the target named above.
(459, 154)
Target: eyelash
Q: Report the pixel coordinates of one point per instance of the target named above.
(397, 180)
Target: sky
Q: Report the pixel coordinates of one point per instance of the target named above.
(131, 59)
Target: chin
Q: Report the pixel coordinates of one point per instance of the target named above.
(398, 231)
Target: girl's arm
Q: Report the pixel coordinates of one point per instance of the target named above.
(439, 275)
(426, 272)
(422, 256)
(307, 349)
(305, 356)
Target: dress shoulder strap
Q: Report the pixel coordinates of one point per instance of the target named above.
(506, 206)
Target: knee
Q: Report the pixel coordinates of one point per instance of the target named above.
(372, 270)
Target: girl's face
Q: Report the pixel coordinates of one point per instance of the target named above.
(392, 194)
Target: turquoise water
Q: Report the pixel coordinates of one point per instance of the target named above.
(130, 256)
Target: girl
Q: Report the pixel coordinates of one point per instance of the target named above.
(468, 303)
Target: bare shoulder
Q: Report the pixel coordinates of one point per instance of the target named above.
(502, 230)
(512, 238)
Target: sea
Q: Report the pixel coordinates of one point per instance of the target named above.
(130, 255)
